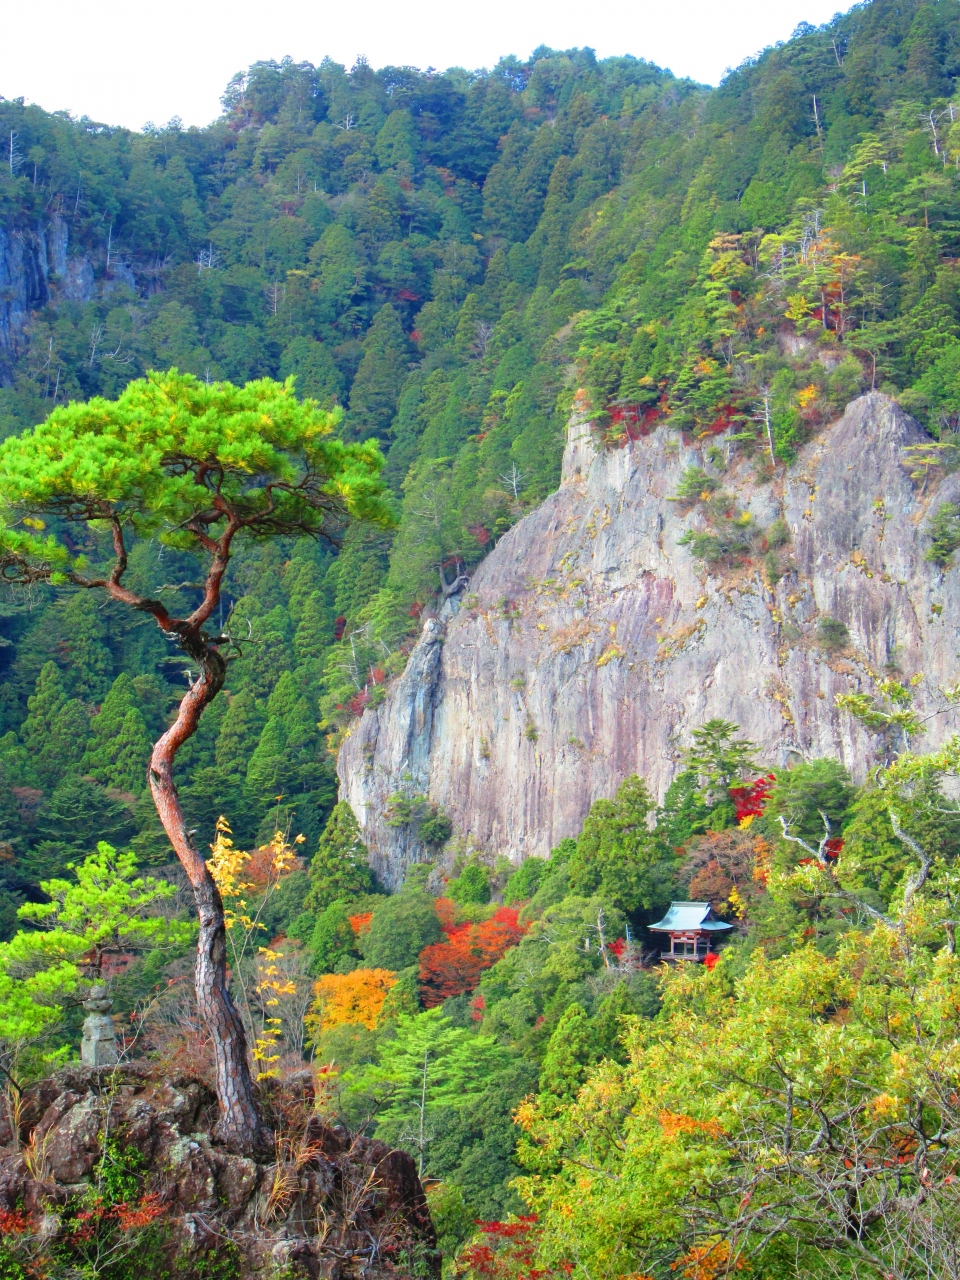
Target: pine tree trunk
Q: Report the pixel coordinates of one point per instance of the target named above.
(239, 1126)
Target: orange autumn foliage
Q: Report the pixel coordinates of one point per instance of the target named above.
(360, 923)
(349, 997)
(708, 1262)
(453, 966)
(671, 1123)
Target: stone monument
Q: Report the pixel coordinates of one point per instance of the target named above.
(98, 1048)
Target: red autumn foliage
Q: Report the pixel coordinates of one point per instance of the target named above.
(617, 947)
(749, 800)
(633, 420)
(711, 884)
(358, 702)
(339, 626)
(710, 960)
(506, 1251)
(454, 966)
(360, 923)
(478, 1007)
(722, 422)
(509, 917)
(447, 911)
(377, 675)
(415, 610)
(480, 532)
(147, 1209)
(834, 847)
(407, 295)
(14, 1222)
(626, 413)
(89, 1223)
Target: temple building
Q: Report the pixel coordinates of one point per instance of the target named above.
(691, 927)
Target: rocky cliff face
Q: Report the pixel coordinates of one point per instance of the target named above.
(589, 644)
(35, 268)
(27, 260)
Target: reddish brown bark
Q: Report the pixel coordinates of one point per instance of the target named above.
(239, 1125)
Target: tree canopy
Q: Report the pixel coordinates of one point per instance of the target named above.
(177, 458)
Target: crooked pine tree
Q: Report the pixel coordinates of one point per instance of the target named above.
(197, 466)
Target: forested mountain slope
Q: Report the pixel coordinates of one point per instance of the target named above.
(667, 384)
(452, 257)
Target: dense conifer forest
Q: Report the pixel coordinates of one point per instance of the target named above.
(451, 264)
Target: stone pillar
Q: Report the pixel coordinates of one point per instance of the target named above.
(98, 1048)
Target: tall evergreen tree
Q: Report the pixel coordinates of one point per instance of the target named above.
(315, 370)
(239, 732)
(272, 654)
(152, 697)
(396, 143)
(340, 867)
(265, 770)
(314, 632)
(69, 824)
(43, 708)
(62, 752)
(376, 388)
(106, 726)
(571, 1050)
(127, 770)
(618, 856)
(89, 664)
(143, 464)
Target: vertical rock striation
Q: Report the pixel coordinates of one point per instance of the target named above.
(34, 266)
(589, 644)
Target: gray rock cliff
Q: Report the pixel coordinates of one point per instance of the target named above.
(36, 269)
(27, 261)
(589, 643)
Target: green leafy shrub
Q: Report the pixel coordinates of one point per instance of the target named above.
(695, 485)
(727, 543)
(778, 535)
(944, 531)
(435, 827)
(525, 881)
(401, 926)
(472, 885)
(832, 634)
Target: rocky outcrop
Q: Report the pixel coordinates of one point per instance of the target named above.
(590, 642)
(24, 276)
(34, 269)
(331, 1204)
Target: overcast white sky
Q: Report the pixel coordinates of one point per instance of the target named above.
(127, 62)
